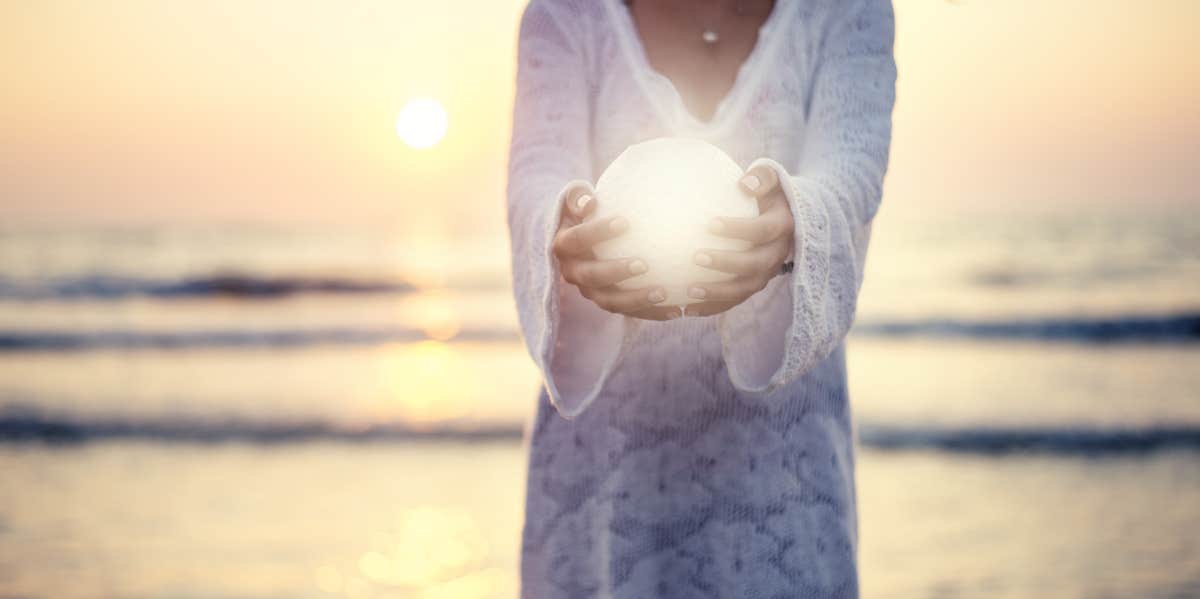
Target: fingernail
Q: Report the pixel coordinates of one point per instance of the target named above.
(716, 226)
(583, 201)
(657, 296)
(703, 259)
(697, 292)
(619, 224)
(637, 267)
(752, 182)
(674, 315)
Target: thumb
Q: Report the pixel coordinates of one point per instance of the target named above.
(759, 181)
(580, 202)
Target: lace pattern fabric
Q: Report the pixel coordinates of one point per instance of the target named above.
(701, 457)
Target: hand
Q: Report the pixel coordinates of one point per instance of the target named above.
(770, 234)
(597, 279)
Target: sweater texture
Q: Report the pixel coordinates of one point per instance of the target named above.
(699, 457)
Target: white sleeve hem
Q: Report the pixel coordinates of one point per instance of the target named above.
(563, 388)
(757, 372)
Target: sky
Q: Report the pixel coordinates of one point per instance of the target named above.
(283, 111)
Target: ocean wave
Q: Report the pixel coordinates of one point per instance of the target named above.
(1055, 440)
(1183, 328)
(111, 287)
(70, 341)
(24, 426)
(30, 425)
(1171, 328)
(1027, 275)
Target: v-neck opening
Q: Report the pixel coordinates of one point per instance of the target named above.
(734, 98)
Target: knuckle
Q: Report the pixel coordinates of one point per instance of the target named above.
(568, 274)
(566, 241)
(765, 264)
(778, 206)
(653, 315)
(581, 234)
(613, 274)
(781, 246)
(762, 231)
(774, 229)
(595, 233)
(740, 264)
(723, 260)
(585, 276)
(627, 301)
(621, 307)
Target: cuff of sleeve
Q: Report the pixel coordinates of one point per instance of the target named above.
(757, 371)
(572, 382)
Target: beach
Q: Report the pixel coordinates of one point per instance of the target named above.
(433, 519)
(248, 413)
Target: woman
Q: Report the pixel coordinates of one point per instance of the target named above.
(710, 455)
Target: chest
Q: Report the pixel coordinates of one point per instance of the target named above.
(699, 46)
(761, 112)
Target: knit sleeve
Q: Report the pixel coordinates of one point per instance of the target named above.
(575, 344)
(833, 194)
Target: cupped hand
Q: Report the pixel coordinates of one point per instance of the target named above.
(597, 279)
(771, 237)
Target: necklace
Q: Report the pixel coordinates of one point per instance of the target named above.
(710, 34)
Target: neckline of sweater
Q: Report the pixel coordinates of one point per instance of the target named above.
(665, 96)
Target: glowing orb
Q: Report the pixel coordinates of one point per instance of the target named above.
(422, 123)
(670, 189)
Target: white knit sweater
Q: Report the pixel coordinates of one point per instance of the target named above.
(700, 457)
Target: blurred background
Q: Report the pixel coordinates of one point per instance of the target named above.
(257, 337)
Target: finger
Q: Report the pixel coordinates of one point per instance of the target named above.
(601, 273)
(758, 259)
(580, 203)
(659, 313)
(579, 239)
(759, 181)
(709, 308)
(625, 301)
(764, 228)
(729, 291)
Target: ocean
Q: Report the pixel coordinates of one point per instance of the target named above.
(246, 411)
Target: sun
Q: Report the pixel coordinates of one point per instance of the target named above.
(422, 123)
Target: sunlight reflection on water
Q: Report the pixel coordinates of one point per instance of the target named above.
(442, 518)
(415, 383)
(429, 551)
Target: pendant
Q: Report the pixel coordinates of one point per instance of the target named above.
(710, 37)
